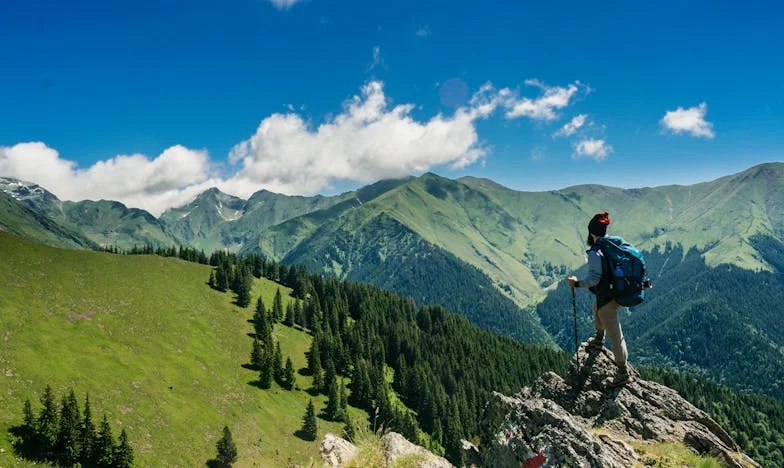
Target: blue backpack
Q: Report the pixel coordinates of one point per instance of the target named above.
(626, 270)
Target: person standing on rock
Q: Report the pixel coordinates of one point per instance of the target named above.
(605, 309)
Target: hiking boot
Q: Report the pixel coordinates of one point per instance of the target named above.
(596, 342)
(622, 377)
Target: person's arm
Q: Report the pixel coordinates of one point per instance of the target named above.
(594, 274)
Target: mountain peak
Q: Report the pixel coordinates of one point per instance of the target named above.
(582, 421)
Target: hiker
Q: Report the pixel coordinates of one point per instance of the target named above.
(605, 309)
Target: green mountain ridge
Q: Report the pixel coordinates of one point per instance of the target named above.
(104, 222)
(21, 220)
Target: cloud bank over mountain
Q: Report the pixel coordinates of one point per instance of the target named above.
(369, 139)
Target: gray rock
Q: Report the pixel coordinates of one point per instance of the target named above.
(396, 446)
(582, 421)
(336, 451)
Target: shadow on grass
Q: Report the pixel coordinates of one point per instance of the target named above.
(304, 371)
(257, 384)
(25, 444)
(214, 463)
(250, 367)
(304, 436)
(251, 335)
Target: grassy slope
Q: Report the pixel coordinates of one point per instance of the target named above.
(126, 329)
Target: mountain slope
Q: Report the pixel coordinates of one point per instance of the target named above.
(104, 222)
(216, 220)
(19, 219)
(384, 252)
(110, 223)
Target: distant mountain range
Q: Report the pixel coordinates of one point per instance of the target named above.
(481, 249)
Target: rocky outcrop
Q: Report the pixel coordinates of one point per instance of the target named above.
(336, 452)
(582, 421)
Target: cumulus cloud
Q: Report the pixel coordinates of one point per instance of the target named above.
(592, 148)
(283, 4)
(545, 106)
(691, 121)
(572, 126)
(172, 178)
(369, 140)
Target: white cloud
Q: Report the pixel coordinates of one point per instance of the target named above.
(423, 31)
(283, 4)
(572, 126)
(592, 148)
(369, 140)
(691, 121)
(172, 178)
(544, 107)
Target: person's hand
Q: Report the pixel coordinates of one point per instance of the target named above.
(572, 281)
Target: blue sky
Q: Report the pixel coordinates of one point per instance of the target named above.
(177, 87)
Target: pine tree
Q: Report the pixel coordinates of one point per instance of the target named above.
(87, 434)
(314, 365)
(343, 402)
(29, 416)
(332, 409)
(222, 277)
(289, 321)
(123, 453)
(277, 364)
(212, 281)
(243, 287)
(309, 424)
(66, 447)
(261, 323)
(330, 377)
(266, 374)
(277, 307)
(227, 451)
(47, 423)
(104, 444)
(288, 375)
(256, 354)
(298, 318)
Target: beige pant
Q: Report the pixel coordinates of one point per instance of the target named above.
(606, 319)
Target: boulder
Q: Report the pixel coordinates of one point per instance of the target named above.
(336, 452)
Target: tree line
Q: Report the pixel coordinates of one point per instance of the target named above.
(68, 436)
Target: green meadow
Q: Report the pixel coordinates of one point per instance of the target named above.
(157, 350)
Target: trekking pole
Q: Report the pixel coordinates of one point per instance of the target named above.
(574, 311)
